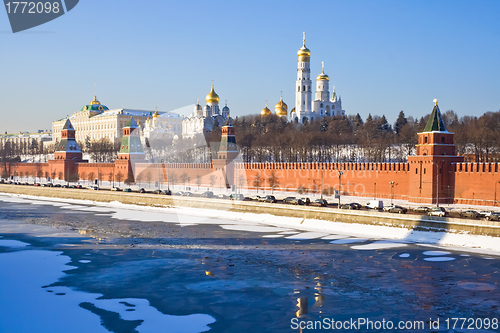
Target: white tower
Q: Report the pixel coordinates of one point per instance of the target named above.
(322, 85)
(303, 85)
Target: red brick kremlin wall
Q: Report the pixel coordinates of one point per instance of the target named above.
(472, 183)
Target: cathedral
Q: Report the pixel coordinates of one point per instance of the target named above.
(203, 120)
(306, 109)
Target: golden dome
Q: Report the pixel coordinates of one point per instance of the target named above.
(322, 76)
(304, 53)
(281, 112)
(212, 97)
(281, 104)
(95, 101)
(156, 114)
(281, 108)
(265, 111)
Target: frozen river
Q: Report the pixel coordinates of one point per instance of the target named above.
(84, 267)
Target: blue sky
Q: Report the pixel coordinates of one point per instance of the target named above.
(382, 56)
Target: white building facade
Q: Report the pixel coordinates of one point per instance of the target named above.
(306, 109)
(203, 119)
(96, 121)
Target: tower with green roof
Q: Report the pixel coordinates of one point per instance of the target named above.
(131, 147)
(130, 152)
(432, 169)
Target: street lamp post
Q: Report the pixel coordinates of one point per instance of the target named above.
(374, 190)
(437, 187)
(340, 177)
(159, 182)
(392, 190)
(322, 184)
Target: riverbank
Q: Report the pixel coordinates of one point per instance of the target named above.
(375, 218)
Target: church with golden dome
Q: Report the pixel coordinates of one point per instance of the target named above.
(280, 109)
(204, 119)
(306, 109)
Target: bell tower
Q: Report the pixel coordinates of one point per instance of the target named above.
(432, 173)
(303, 94)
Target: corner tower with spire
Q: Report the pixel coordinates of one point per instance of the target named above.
(432, 170)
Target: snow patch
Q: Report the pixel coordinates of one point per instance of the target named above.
(12, 243)
(348, 241)
(307, 235)
(436, 253)
(84, 261)
(439, 259)
(404, 255)
(378, 245)
(27, 307)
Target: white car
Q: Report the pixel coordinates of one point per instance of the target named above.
(438, 211)
(485, 213)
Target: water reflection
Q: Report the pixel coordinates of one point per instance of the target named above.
(302, 304)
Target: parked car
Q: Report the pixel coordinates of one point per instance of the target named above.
(270, 199)
(95, 188)
(288, 200)
(157, 192)
(187, 194)
(356, 205)
(397, 209)
(319, 202)
(167, 192)
(128, 189)
(438, 211)
(352, 205)
(57, 185)
(494, 216)
(36, 184)
(116, 189)
(179, 193)
(141, 190)
(386, 208)
(469, 214)
(421, 209)
(78, 186)
(296, 201)
(207, 194)
(485, 213)
(306, 200)
(237, 196)
(256, 197)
